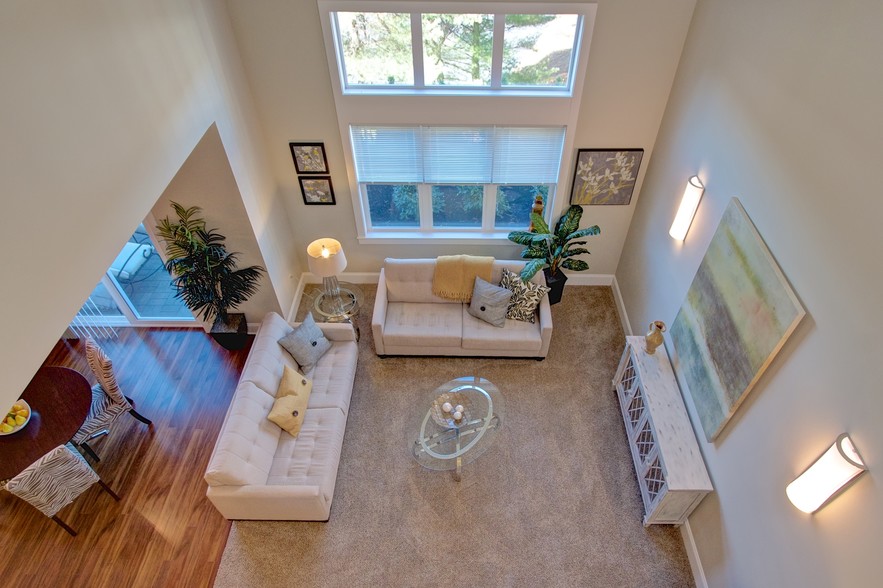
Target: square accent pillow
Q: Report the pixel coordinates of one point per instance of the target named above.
(306, 343)
(489, 303)
(293, 383)
(288, 412)
(526, 297)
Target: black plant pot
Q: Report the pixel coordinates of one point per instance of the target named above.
(232, 334)
(556, 283)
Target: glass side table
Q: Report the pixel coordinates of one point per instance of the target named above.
(341, 309)
(447, 443)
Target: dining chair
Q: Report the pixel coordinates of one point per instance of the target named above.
(108, 401)
(54, 481)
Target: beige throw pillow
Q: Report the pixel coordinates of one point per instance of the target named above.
(293, 383)
(292, 398)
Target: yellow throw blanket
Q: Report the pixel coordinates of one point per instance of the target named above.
(454, 275)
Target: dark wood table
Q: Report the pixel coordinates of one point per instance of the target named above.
(60, 399)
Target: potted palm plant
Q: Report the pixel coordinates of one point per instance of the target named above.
(205, 274)
(552, 251)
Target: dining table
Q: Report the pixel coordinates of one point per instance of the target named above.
(60, 399)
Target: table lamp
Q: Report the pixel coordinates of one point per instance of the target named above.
(326, 259)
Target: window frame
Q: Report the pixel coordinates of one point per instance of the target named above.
(425, 223)
(329, 9)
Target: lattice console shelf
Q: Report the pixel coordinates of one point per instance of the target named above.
(671, 473)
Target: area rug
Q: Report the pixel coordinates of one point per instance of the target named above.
(553, 502)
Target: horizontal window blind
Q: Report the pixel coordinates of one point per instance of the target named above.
(388, 154)
(457, 155)
(527, 155)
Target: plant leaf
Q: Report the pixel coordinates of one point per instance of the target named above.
(531, 268)
(569, 222)
(576, 251)
(539, 225)
(576, 265)
(587, 232)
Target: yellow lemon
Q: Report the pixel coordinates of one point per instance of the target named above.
(5, 428)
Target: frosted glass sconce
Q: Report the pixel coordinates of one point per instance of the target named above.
(685, 214)
(837, 466)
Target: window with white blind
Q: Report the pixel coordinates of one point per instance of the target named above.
(464, 179)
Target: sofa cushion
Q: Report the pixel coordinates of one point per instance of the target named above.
(417, 324)
(515, 335)
(312, 457)
(489, 303)
(410, 280)
(306, 343)
(247, 443)
(266, 357)
(333, 377)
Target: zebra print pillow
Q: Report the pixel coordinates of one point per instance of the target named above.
(526, 296)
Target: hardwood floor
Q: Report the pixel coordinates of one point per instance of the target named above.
(164, 532)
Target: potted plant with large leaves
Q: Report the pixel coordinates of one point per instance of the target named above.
(205, 274)
(552, 251)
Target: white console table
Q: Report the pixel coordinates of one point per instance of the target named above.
(671, 472)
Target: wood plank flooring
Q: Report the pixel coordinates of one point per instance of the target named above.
(164, 532)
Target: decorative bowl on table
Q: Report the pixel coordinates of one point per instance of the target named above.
(449, 400)
(16, 418)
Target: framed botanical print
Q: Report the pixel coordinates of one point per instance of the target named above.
(309, 158)
(605, 176)
(317, 189)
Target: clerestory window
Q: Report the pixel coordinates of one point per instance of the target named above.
(424, 50)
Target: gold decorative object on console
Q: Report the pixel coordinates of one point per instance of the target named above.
(653, 338)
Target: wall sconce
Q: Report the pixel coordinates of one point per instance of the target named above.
(689, 203)
(837, 466)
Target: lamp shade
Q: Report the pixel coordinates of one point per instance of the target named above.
(687, 210)
(837, 466)
(325, 257)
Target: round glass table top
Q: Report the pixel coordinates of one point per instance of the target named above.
(461, 422)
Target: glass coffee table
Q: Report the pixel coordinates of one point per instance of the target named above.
(462, 420)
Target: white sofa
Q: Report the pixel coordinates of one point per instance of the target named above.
(409, 319)
(258, 471)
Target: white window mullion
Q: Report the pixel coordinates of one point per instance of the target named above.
(497, 54)
(417, 49)
(424, 199)
(489, 208)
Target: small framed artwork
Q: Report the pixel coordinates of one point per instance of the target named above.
(309, 158)
(605, 176)
(317, 190)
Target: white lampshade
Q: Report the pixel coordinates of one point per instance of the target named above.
(837, 466)
(326, 257)
(687, 210)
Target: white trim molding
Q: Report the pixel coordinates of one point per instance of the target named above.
(620, 308)
(693, 556)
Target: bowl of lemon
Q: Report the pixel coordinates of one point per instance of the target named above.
(16, 418)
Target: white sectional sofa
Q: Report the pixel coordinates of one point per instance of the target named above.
(257, 470)
(409, 319)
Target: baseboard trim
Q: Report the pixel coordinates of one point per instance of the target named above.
(693, 556)
(620, 308)
(590, 279)
(298, 294)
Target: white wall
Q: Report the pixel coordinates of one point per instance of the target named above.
(781, 104)
(101, 103)
(206, 180)
(634, 54)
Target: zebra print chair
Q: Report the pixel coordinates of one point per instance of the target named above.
(54, 481)
(108, 401)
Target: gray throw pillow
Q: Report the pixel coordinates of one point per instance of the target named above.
(526, 296)
(489, 303)
(306, 343)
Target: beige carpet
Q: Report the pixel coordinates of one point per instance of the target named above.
(554, 502)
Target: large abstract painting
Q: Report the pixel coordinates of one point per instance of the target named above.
(738, 313)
